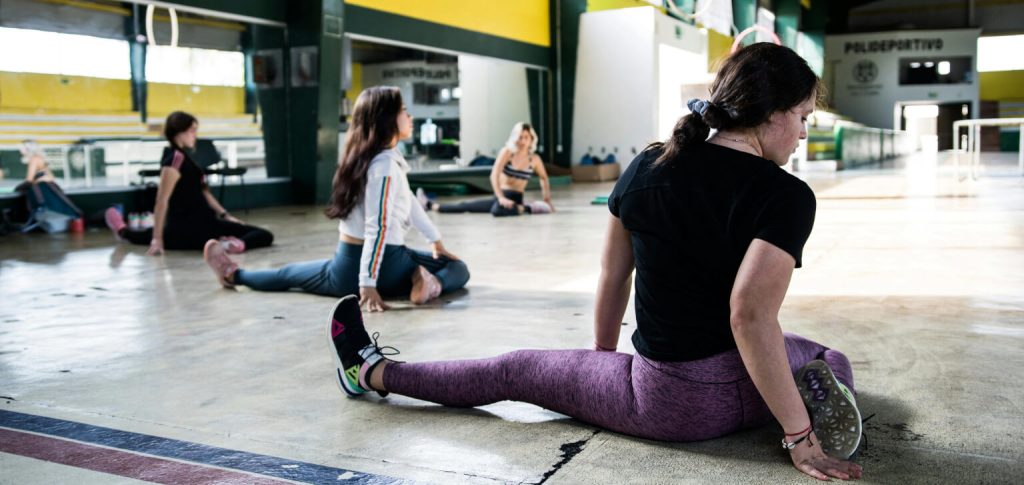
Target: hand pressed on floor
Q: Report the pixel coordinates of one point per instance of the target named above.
(809, 458)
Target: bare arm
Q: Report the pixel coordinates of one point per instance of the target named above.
(213, 203)
(614, 285)
(35, 165)
(168, 179)
(757, 294)
(496, 173)
(542, 174)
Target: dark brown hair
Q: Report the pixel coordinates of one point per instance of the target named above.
(177, 122)
(374, 126)
(753, 83)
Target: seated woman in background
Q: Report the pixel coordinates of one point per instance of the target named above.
(372, 199)
(516, 163)
(38, 169)
(186, 214)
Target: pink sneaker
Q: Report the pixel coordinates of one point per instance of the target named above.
(115, 221)
(222, 265)
(421, 197)
(425, 286)
(232, 245)
(539, 207)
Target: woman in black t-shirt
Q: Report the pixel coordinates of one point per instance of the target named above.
(714, 228)
(187, 215)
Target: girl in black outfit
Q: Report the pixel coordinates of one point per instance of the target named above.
(186, 213)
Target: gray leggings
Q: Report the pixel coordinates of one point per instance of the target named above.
(339, 276)
(491, 205)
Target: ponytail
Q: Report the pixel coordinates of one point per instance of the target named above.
(693, 128)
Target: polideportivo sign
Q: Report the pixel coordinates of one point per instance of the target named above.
(872, 46)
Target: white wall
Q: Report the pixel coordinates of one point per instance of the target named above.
(872, 102)
(494, 98)
(682, 71)
(633, 69)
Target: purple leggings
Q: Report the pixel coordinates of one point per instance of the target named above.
(633, 395)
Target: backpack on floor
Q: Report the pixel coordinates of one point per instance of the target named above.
(48, 207)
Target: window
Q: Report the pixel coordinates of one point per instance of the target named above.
(1001, 53)
(935, 70)
(67, 54)
(187, 65)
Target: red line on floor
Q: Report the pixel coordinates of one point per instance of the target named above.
(121, 463)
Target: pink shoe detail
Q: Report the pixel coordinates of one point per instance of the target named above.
(223, 267)
(232, 245)
(115, 221)
(336, 328)
(425, 286)
(539, 207)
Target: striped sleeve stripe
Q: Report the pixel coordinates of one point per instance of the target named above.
(179, 158)
(382, 222)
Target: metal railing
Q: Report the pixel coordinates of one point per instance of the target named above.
(970, 143)
(122, 158)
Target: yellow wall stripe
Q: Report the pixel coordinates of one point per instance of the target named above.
(69, 93)
(165, 98)
(523, 20)
(1001, 85)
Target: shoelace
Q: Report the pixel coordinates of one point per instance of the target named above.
(863, 434)
(387, 350)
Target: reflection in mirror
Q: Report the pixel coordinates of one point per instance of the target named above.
(463, 106)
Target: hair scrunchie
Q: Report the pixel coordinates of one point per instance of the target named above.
(698, 106)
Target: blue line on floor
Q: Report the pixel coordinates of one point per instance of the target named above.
(270, 466)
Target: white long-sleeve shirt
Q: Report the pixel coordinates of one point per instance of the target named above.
(388, 208)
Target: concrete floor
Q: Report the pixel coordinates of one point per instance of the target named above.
(917, 276)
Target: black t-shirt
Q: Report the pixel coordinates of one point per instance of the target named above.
(691, 221)
(187, 200)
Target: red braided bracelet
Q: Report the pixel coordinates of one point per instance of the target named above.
(808, 428)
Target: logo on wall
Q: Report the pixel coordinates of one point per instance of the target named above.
(865, 71)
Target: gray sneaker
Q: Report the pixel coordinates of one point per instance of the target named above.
(833, 409)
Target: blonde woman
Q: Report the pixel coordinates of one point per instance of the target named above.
(516, 164)
(38, 169)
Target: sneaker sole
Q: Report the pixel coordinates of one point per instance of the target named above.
(206, 257)
(339, 370)
(835, 418)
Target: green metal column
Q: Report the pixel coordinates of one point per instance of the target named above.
(313, 108)
(744, 15)
(540, 108)
(787, 21)
(273, 100)
(565, 37)
(133, 28)
(687, 6)
(250, 86)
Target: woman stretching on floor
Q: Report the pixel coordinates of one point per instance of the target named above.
(516, 163)
(186, 214)
(714, 228)
(372, 198)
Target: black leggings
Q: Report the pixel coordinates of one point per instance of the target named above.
(491, 205)
(193, 234)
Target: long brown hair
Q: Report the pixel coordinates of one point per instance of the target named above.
(374, 126)
(753, 83)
